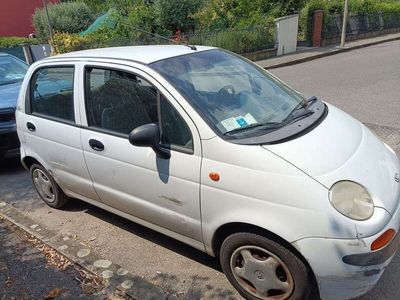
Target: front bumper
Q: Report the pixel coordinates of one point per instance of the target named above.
(340, 280)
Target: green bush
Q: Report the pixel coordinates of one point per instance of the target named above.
(306, 15)
(240, 41)
(177, 14)
(15, 41)
(68, 17)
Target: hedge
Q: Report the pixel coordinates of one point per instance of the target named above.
(238, 41)
(15, 41)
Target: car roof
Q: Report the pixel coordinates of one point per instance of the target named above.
(141, 54)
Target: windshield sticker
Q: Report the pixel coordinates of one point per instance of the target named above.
(238, 122)
(249, 119)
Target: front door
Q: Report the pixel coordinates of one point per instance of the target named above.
(164, 192)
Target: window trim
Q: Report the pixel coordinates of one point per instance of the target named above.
(126, 136)
(29, 98)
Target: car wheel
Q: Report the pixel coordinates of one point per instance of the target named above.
(47, 188)
(260, 268)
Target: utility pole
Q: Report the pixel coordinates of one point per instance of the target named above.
(49, 25)
(345, 14)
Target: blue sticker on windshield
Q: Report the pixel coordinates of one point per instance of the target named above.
(242, 122)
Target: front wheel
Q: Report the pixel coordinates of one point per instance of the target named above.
(260, 268)
(47, 188)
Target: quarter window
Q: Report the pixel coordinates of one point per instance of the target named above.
(119, 102)
(52, 93)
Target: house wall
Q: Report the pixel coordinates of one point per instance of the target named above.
(16, 16)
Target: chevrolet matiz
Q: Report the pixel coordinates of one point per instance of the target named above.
(293, 195)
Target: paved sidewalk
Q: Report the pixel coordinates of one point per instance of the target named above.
(314, 53)
(26, 274)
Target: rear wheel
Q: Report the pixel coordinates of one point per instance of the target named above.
(260, 268)
(47, 188)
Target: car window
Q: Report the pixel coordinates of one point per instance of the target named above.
(12, 70)
(229, 92)
(119, 101)
(175, 131)
(52, 93)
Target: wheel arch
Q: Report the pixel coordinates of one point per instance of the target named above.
(235, 227)
(28, 161)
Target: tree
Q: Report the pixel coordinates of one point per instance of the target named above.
(68, 17)
(178, 14)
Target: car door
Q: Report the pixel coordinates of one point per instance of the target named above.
(134, 180)
(51, 128)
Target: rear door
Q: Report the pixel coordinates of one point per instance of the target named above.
(164, 192)
(51, 128)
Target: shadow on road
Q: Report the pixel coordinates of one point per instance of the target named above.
(146, 233)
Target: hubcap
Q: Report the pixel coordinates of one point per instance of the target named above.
(261, 273)
(43, 185)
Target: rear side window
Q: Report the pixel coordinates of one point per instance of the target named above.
(52, 93)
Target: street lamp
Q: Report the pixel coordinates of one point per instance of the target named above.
(345, 13)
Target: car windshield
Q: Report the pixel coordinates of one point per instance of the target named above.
(232, 94)
(11, 70)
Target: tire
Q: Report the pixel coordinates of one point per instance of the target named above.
(47, 188)
(275, 269)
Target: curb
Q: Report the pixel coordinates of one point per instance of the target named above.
(81, 255)
(329, 53)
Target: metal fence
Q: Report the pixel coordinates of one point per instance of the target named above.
(238, 41)
(360, 24)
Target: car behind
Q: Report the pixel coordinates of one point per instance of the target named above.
(12, 72)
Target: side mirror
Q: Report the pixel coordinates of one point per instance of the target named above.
(148, 135)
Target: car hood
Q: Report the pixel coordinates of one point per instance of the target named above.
(342, 148)
(9, 95)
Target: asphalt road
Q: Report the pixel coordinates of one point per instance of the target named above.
(364, 83)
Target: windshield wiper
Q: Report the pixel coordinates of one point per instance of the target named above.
(301, 110)
(265, 125)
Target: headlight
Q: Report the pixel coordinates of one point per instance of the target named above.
(352, 200)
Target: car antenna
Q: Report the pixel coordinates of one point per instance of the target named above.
(192, 47)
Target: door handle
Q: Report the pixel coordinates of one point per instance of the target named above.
(96, 145)
(30, 126)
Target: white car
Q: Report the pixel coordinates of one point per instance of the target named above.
(293, 195)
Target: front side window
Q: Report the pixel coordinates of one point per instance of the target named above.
(119, 102)
(52, 93)
(229, 92)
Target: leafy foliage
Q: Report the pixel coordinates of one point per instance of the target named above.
(177, 14)
(69, 17)
(14, 41)
(239, 41)
(66, 42)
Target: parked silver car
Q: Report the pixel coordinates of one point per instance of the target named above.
(292, 194)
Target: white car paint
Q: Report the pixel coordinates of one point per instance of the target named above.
(282, 188)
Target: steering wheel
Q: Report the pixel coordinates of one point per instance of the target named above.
(227, 91)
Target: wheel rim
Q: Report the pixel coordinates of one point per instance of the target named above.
(261, 273)
(43, 185)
